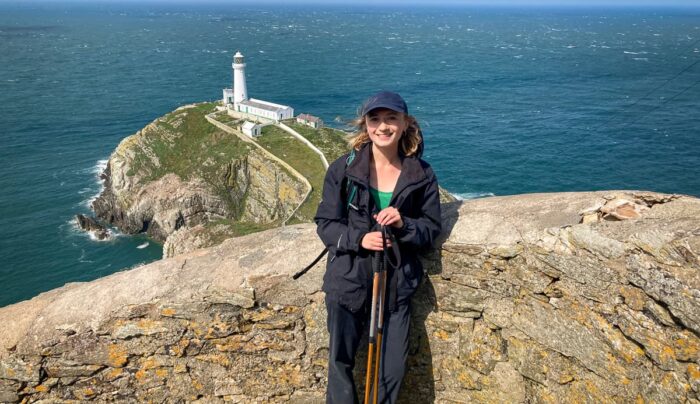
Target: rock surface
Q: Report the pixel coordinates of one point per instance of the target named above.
(525, 301)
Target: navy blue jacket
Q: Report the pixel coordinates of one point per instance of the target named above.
(348, 277)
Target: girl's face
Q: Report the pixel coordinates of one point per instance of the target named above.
(385, 127)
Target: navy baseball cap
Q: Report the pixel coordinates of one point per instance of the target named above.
(385, 99)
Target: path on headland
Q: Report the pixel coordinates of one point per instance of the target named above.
(309, 188)
(305, 141)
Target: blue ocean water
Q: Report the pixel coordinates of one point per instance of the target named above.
(511, 101)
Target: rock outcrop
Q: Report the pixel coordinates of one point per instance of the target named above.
(181, 172)
(530, 298)
(90, 225)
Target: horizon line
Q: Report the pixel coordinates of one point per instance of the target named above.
(387, 3)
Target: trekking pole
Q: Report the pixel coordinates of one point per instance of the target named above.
(380, 333)
(376, 327)
(369, 380)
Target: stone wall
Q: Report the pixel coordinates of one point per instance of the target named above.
(575, 297)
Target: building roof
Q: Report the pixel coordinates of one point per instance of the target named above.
(309, 118)
(249, 125)
(268, 106)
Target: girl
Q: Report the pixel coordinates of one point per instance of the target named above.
(383, 182)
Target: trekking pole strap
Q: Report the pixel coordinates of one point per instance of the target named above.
(305, 270)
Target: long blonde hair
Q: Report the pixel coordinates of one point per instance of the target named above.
(409, 144)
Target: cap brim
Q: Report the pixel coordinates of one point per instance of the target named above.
(387, 106)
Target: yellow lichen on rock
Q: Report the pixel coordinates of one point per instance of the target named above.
(167, 312)
(117, 356)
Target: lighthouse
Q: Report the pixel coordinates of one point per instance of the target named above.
(240, 93)
(238, 104)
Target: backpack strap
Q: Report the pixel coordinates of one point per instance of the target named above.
(350, 187)
(350, 190)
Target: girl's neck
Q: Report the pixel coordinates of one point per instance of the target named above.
(382, 157)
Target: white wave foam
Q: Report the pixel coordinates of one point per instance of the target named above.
(110, 236)
(99, 167)
(82, 257)
(97, 171)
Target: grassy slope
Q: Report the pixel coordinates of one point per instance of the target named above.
(189, 146)
(330, 141)
(303, 159)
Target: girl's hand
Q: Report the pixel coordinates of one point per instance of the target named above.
(389, 216)
(373, 241)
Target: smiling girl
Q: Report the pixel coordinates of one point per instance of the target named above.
(393, 187)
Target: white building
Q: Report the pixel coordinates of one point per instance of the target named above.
(310, 120)
(236, 99)
(251, 129)
(228, 96)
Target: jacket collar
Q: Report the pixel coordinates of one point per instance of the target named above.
(412, 171)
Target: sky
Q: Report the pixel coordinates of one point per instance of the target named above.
(505, 2)
(577, 3)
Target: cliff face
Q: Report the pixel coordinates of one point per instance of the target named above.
(180, 172)
(530, 298)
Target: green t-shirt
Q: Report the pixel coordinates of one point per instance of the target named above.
(382, 199)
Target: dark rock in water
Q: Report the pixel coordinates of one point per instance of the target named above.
(89, 224)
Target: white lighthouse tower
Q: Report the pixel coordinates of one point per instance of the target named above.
(238, 104)
(240, 92)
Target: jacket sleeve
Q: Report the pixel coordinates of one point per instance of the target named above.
(422, 231)
(332, 214)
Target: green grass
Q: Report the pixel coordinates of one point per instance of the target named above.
(234, 228)
(223, 117)
(332, 142)
(303, 159)
(187, 145)
(184, 143)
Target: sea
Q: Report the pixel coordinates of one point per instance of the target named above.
(511, 100)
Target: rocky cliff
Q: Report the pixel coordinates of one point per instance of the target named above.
(181, 173)
(572, 297)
